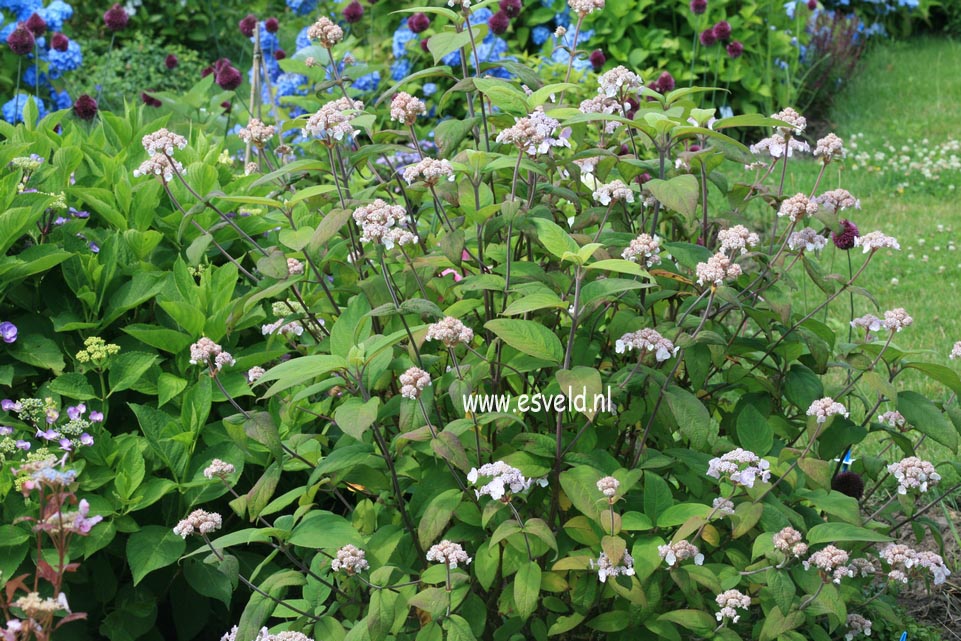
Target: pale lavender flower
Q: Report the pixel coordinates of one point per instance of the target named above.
(875, 240)
(825, 408)
(8, 332)
(198, 522)
(897, 319)
(449, 553)
(450, 331)
(731, 601)
(912, 473)
(645, 249)
(737, 239)
(790, 541)
(605, 569)
(608, 486)
(534, 134)
(646, 340)
(741, 466)
(612, 192)
(503, 478)
(832, 561)
(797, 207)
(716, 270)
(413, 382)
(350, 560)
(674, 553)
(806, 239)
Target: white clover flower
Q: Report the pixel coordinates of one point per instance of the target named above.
(503, 478)
(716, 270)
(831, 560)
(737, 239)
(162, 142)
(826, 407)
(618, 82)
(450, 331)
(534, 134)
(806, 240)
(955, 351)
(790, 541)
(674, 553)
(875, 240)
(645, 249)
(741, 466)
(350, 560)
(198, 522)
(646, 340)
(913, 473)
(606, 569)
(430, 170)
(413, 382)
(449, 553)
(797, 207)
(896, 319)
(612, 192)
(405, 108)
(220, 469)
(857, 626)
(332, 122)
(608, 486)
(731, 601)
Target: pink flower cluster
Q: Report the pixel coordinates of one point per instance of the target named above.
(741, 467)
(646, 340)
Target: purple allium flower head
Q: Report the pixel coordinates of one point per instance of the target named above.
(85, 108)
(36, 25)
(735, 49)
(848, 483)
(271, 25)
(812, 5)
(171, 61)
(597, 59)
(116, 18)
(149, 100)
(59, 42)
(423, 46)
(226, 106)
(96, 417)
(354, 12)
(8, 332)
(228, 77)
(206, 71)
(845, 239)
(665, 82)
(708, 37)
(498, 23)
(722, 30)
(279, 54)
(247, 25)
(698, 7)
(21, 41)
(511, 7)
(418, 23)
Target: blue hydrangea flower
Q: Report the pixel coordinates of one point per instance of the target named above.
(369, 82)
(540, 34)
(13, 110)
(268, 41)
(60, 99)
(21, 9)
(290, 84)
(430, 88)
(302, 41)
(55, 14)
(400, 69)
(64, 61)
(7, 30)
(30, 77)
(402, 36)
(302, 7)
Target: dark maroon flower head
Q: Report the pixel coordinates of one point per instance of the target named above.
(228, 77)
(631, 105)
(206, 71)
(625, 150)
(511, 7)
(116, 18)
(643, 178)
(735, 49)
(423, 46)
(812, 4)
(354, 12)
(698, 7)
(498, 23)
(171, 61)
(247, 25)
(722, 30)
(848, 483)
(149, 100)
(708, 37)
(271, 25)
(845, 238)
(279, 54)
(21, 41)
(694, 148)
(85, 107)
(226, 106)
(221, 63)
(597, 59)
(419, 22)
(59, 42)
(36, 25)
(665, 82)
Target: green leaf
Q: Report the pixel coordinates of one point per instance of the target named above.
(437, 515)
(503, 95)
(944, 375)
(754, 432)
(680, 193)
(73, 385)
(692, 417)
(528, 337)
(300, 370)
(618, 265)
(152, 548)
(695, 620)
(580, 485)
(835, 532)
(127, 368)
(446, 42)
(776, 625)
(354, 417)
(584, 382)
(37, 350)
(324, 530)
(928, 419)
(533, 302)
(208, 580)
(527, 585)
(657, 495)
(553, 237)
(330, 225)
(681, 512)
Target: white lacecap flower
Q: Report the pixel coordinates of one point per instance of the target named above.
(893, 418)
(608, 486)
(430, 170)
(829, 148)
(612, 192)
(857, 626)
(795, 121)
(405, 108)
(198, 522)
(913, 473)
(730, 602)
(824, 408)
(257, 133)
(896, 319)
(832, 561)
(332, 122)
(449, 553)
(797, 207)
(723, 506)
(741, 467)
(955, 351)
(619, 82)
(875, 240)
(585, 7)
(674, 553)
(503, 479)
(325, 32)
(737, 239)
(163, 141)
(869, 323)
(716, 270)
(413, 382)
(534, 134)
(790, 541)
(450, 331)
(646, 340)
(220, 469)
(837, 200)
(159, 165)
(777, 146)
(350, 560)
(605, 569)
(381, 222)
(645, 250)
(806, 239)
(254, 373)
